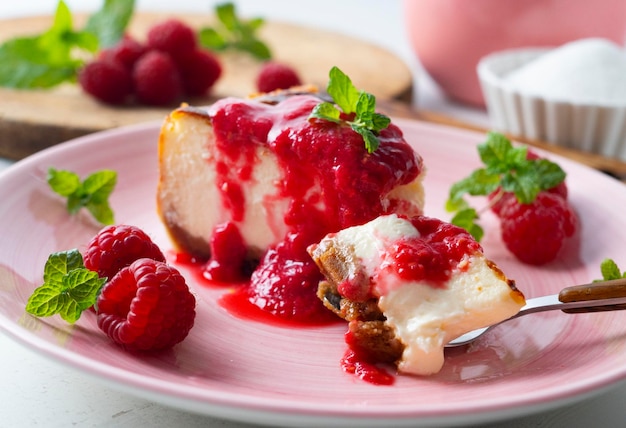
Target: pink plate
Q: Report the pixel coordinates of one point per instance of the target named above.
(252, 372)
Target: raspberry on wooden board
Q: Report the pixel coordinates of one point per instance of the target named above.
(160, 72)
(172, 36)
(199, 70)
(274, 75)
(126, 52)
(157, 79)
(107, 81)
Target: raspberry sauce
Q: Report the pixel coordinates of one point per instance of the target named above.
(432, 256)
(367, 371)
(328, 177)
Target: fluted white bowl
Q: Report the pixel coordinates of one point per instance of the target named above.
(589, 126)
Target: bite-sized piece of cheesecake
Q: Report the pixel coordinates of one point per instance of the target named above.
(256, 181)
(408, 286)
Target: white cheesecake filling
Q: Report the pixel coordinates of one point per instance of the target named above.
(426, 317)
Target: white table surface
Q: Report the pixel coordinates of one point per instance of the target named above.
(37, 392)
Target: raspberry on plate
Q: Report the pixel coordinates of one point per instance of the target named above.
(199, 69)
(157, 79)
(172, 36)
(498, 199)
(147, 306)
(274, 75)
(106, 80)
(116, 247)
(535, 232)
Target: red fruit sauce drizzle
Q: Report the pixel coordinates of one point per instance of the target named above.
(432, 256)
(358, 362)
(369, 372)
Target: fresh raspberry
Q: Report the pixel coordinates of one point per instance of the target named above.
(274, 75)
(107, 81)
(535, 232)
(157, 79)
(147, 306)
(503, 197)
(499, 199)
(199, 70)
(172, 36)
(116, 247)
(126, 52)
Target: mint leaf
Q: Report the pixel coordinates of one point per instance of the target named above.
(26, 63)
(99, 185)
(63, 182)
(343, 92)
(211, 39)
(234, 33)
(59, 264)
(380, 122)
(479, 182)
(610, 270)
(466, 218)
(68, 289)
(101, 212)
(326, 111)
(550, 173)
(62, 22)
(93, 193)
(365, 109)
(358, 107)
(499, 155)
(370, 140)
(110, 22)
(225, 12)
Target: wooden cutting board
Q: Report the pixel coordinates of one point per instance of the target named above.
(33, 120)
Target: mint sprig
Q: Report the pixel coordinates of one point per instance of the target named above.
(506, 169)
(234, 33)
(356, 108)
(92, 193)
(53, 57)
(68, 289)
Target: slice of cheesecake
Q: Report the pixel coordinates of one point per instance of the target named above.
(249, 184)
(205, 180)
(408, 286)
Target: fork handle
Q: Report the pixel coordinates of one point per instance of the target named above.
(612, 289)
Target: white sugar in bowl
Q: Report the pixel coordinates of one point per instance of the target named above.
(573, 95)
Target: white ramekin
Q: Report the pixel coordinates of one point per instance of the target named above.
(588, 127)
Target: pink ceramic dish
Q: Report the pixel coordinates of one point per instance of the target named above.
(450, 36)
(265, 374)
